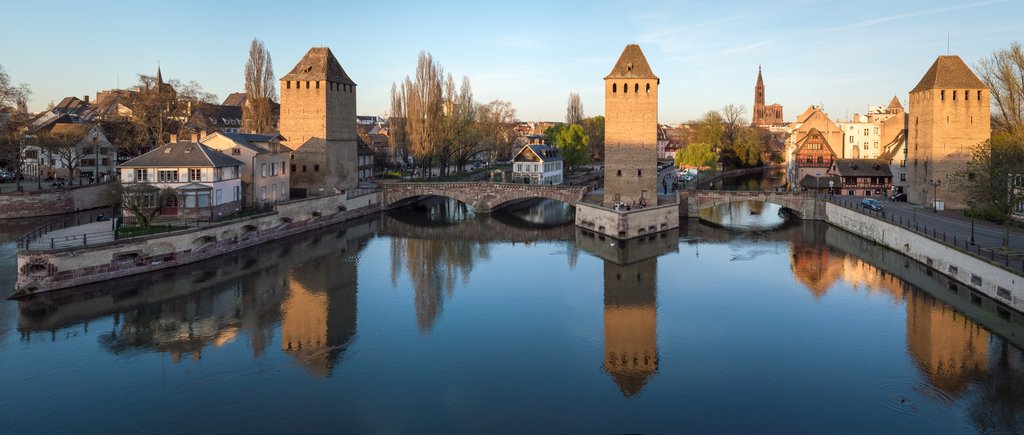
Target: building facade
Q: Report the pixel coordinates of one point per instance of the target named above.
(187, 180)
(70, 150)
(631, 130)
(537, 164)
(318, 122)
(264, 172)
(862, 177)
(949, 114)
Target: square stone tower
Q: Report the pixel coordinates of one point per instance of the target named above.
(631, 130)
(949, 114)
(318, 121)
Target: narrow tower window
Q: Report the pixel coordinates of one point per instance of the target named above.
(954, 95)
(625, 88)
(288, 85)
(979, 95)
(636, 88)
(648, 88)
(615, 87)
(942, 95)
(318, 84)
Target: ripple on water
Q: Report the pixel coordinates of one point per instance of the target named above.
(908, 396)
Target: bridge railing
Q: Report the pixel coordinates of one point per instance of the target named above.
(1012, 262)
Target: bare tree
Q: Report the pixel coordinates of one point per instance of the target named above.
(574, 111)
(422, 101)
(159, 110)
(398, 140)
(13, 97)
(63, 148)
(260, 90)
(732, 121)
(1003, 73)
(141, 200)
(498, 129)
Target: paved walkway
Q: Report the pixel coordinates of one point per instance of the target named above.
(92, 233)
(953, 223)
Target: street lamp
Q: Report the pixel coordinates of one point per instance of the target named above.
(935, 193)
(830, 185)
(971, 203)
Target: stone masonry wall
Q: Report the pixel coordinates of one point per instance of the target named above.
(318, 123)
(631, 140)
(15, 205)
(942, 132)
(40, 271)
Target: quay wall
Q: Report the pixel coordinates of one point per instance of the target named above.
(16, 205)
(627, 224)
(971, 271)
(46, 270)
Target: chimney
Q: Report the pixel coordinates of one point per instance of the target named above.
(856, 117)
(85, 98)
(174, 138)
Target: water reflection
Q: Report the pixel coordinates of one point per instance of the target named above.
(749, 215)
(961, 355)
(770, 179)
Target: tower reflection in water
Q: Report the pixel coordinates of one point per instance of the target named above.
(630, 304)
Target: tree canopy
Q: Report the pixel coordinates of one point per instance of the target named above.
(700, 155)
(572, 143)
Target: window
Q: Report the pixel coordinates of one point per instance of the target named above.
(954, 95)
(639, 172)
(316, 168)
(942, 95)
(238, 194)
(204, 199)
(263, 194)
(141, 175)
(303, 168)
(851, 137)
(903, 176)
(263, 170)
(218, 198)
(648, 88)
(148, 200)
(167, 176)
(293, 168)
(618, 173)
(195, 174)
(625, 88)
(307, 84)
(31, 154)
(866, 131)
(236, 151)
(636, 88)
(273, 169)
(979, 96)
(318, 84)
(288, 85)
(283, 171)
(615, 88)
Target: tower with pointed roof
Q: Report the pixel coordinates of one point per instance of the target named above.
(949, 114)
(631, 130)
(764, 115)
(631, 323)
(318, 121)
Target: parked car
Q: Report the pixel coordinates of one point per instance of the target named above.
(872, 204)
(899, 197)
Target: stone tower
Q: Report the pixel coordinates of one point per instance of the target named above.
(759, 114)
(630, 323)
(318, 122)
(631, 130)
(949, 114)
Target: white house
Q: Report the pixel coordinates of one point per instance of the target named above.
(537, 164)
(89, 153)
(190, 180)
(264, 164)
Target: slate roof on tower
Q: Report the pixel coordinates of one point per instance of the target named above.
(319, 64)
(949, 72)
(632, 64)
(895, 104)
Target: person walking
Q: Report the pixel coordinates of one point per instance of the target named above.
(664, 186)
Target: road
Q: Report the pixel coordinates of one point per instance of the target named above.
(986, 235)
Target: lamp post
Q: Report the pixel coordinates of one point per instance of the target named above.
(935, 193)
(971, 203)
(830, 186)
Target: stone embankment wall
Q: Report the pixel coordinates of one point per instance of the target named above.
(15, 205)
(627, 224)
(973, 272)
(40, 271)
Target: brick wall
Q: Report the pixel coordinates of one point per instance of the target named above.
(319, 123)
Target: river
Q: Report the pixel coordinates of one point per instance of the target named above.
(432, 319)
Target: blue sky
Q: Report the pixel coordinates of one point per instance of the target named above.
(844, 55)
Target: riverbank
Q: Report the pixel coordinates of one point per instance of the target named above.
(41, 270)
(33, 203)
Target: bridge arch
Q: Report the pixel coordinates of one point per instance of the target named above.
(484, 197)
(799, 204)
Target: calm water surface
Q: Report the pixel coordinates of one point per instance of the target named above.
(431, 319)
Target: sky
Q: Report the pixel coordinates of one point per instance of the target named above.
(843, 55)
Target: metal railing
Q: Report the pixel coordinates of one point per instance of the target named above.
(62, 223)
(1012, 262)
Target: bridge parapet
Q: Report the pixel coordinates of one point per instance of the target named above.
(801, 204)
(483, 196)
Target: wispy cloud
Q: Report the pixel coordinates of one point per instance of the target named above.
(880, 20)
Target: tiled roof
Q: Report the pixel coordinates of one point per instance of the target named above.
(319, 64)
(544, 152)
(182, 154)
(77, 131)
(253, 141)
(949, 72)
(632, 64)
(812, 182)
(895, 104)
(862, 168)
(235, 99)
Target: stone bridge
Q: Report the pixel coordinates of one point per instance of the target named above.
(480, 230)
(802, 205)
(485, 197)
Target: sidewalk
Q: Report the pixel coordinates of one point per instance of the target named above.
(92, 233)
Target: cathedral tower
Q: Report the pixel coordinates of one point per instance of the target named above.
(631, 130)
(759, 99)
(318, 122)
(949, 114)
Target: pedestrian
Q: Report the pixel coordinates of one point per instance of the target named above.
(664, 185)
